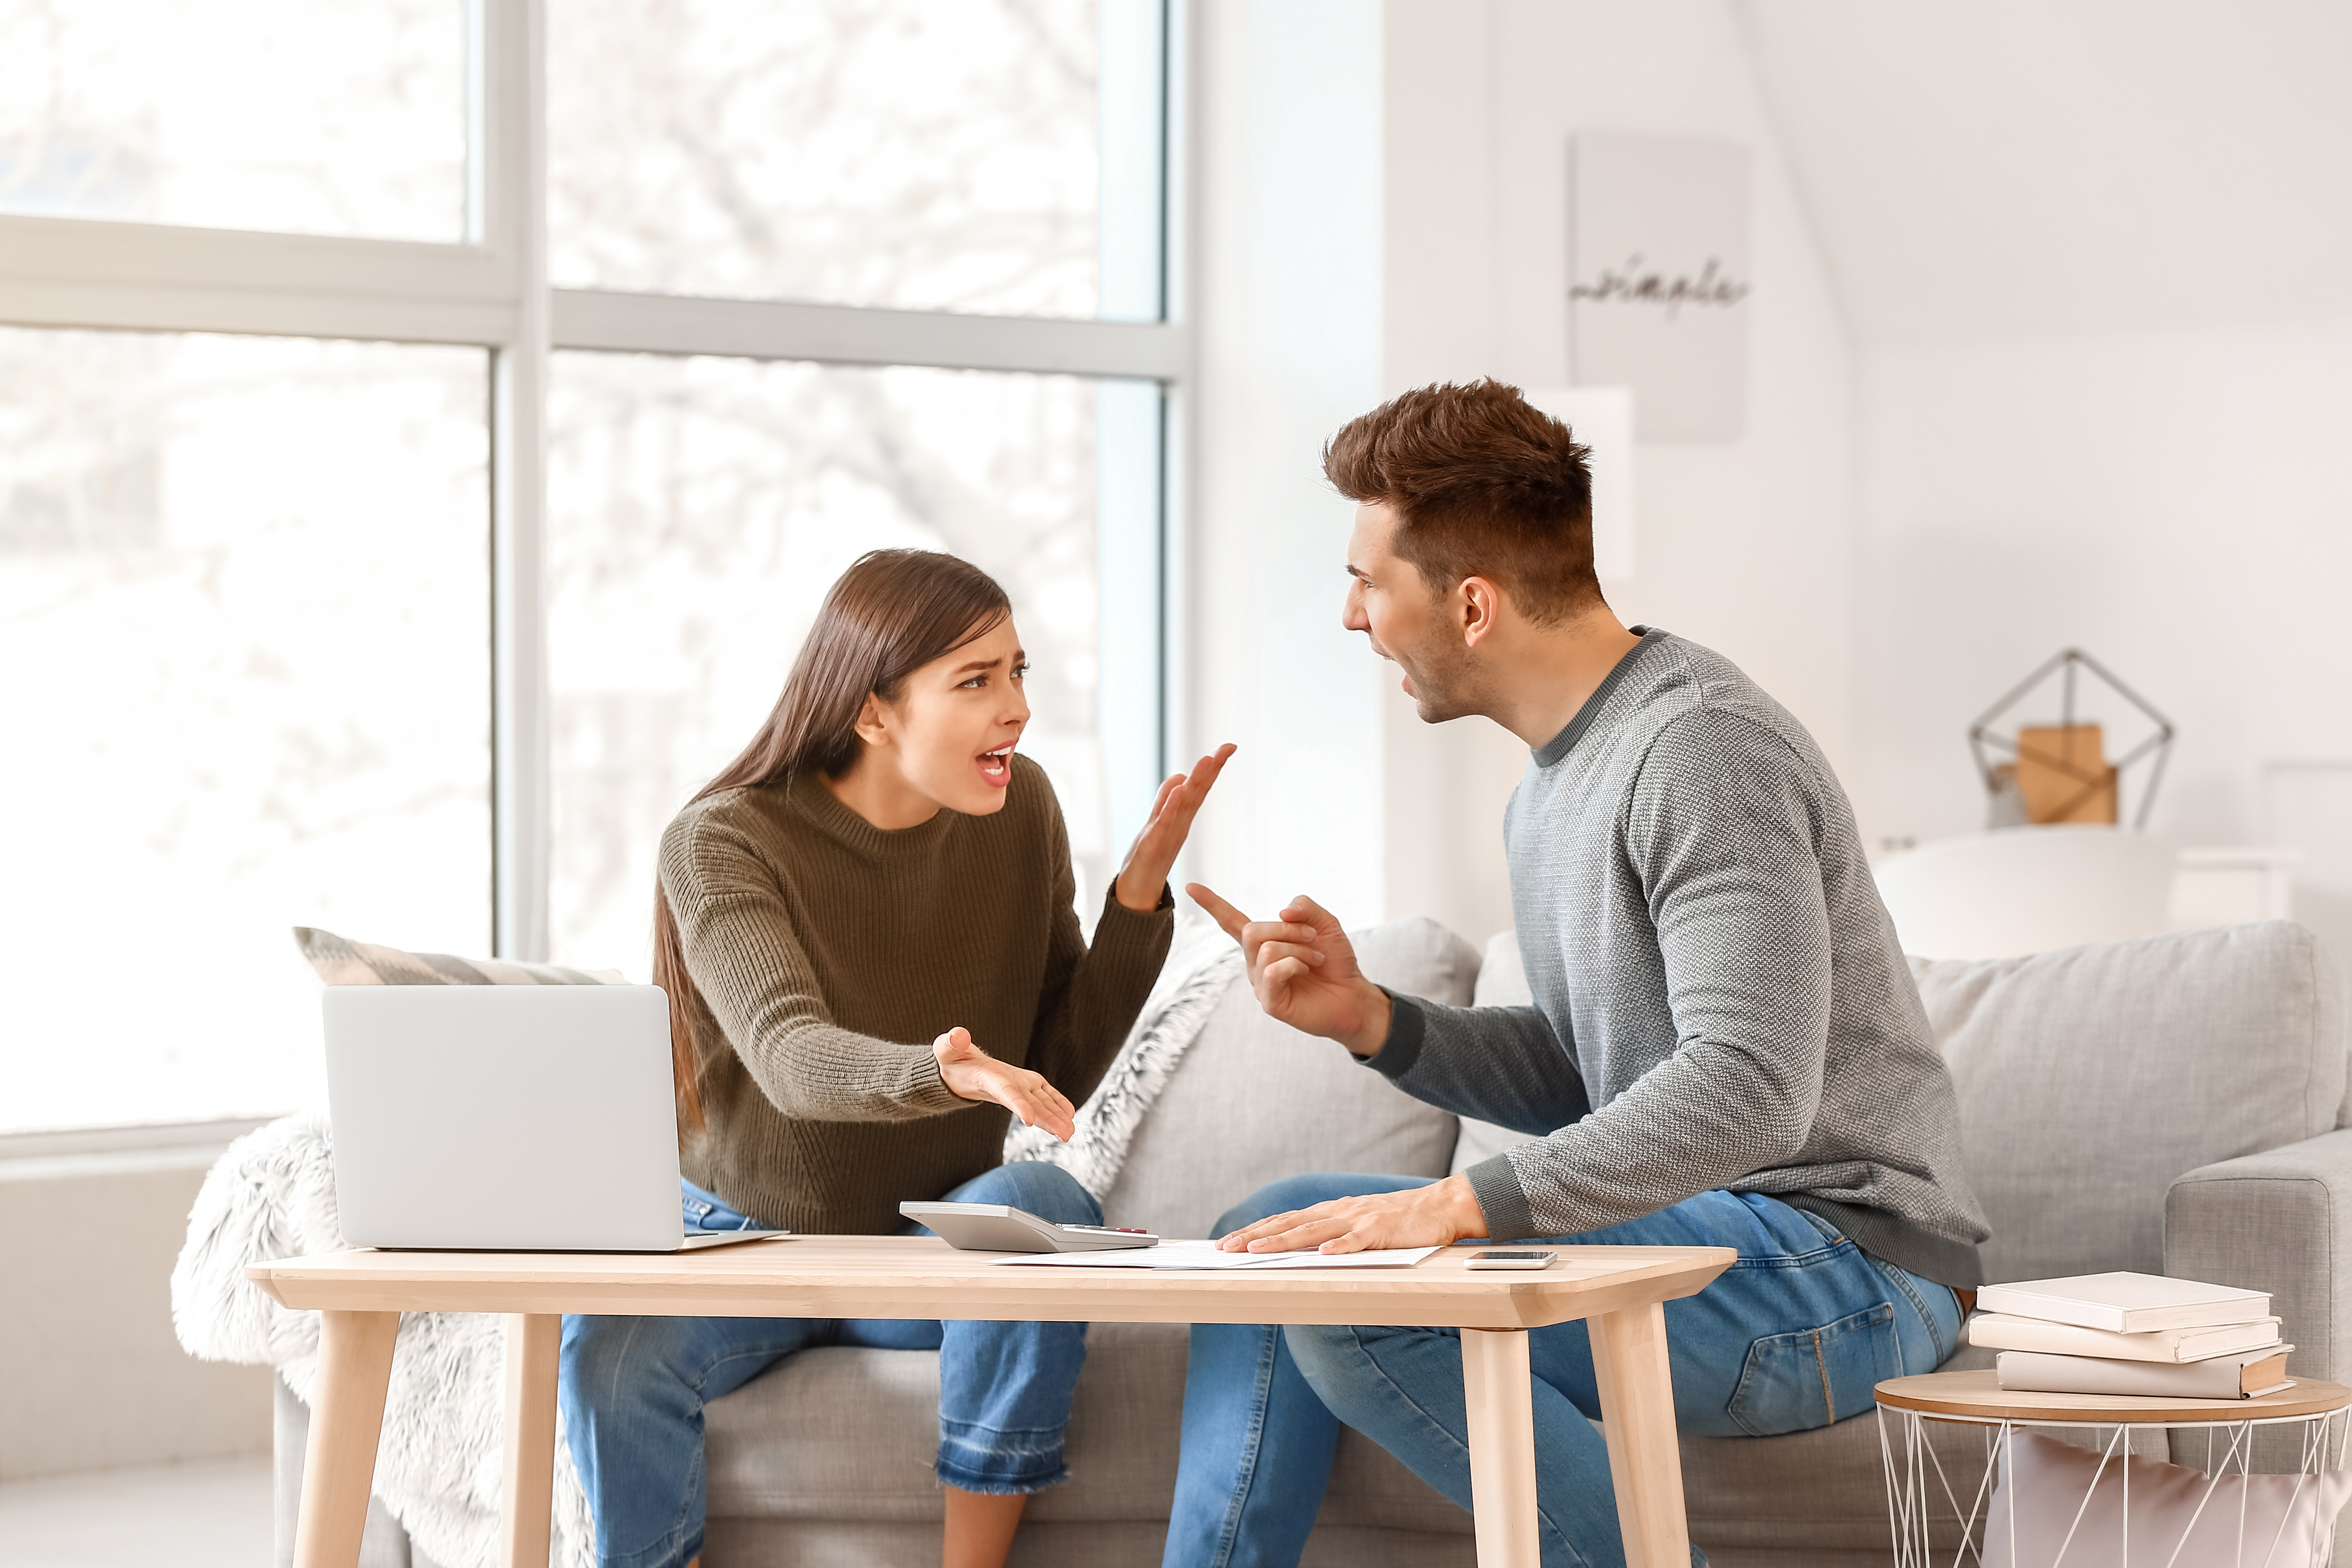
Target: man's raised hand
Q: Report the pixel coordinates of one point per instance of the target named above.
(1303, 968)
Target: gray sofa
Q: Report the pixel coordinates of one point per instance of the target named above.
(2169, 1104)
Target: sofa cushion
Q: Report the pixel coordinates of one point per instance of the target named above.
(850, 1434)
(2091, 1076)
(1820, 1497)
(339, 961)
(1502, 982)
(1253, 1101)
(829, 1543)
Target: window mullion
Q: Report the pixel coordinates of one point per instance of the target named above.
(515, 181)
(612, 323)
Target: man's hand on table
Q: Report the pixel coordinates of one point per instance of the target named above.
(1419, 1217)
(1303, 968)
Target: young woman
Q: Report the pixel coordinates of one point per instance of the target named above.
(880, 868)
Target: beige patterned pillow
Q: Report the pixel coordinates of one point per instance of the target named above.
(342, 961)
(2176, 1515)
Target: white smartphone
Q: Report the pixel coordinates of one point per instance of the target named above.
(1530, 1259)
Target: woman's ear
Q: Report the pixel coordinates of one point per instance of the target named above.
(872, 724)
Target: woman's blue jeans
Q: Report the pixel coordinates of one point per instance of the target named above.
(634, 1389)
(1793, 1335)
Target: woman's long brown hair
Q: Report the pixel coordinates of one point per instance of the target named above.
(892, 612)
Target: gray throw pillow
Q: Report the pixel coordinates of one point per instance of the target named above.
(1253, 1099)
(1502, 982)
(2091, 1076)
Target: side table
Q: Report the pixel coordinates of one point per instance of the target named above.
(1916, 1476)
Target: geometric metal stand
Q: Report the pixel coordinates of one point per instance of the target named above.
(1987, 743)
(1917, 1479)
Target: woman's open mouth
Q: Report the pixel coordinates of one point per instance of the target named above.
(996, 766)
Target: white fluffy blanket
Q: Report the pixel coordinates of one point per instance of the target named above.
(1202, 966)
(272, 1194)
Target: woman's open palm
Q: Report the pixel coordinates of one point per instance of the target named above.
(971, 1073)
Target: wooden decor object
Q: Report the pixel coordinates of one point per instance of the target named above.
(2064, 775)
(2053, 773)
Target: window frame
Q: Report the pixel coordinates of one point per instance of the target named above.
(491, 292)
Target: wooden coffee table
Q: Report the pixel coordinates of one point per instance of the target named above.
(1618, 1291)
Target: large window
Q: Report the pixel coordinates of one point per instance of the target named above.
(243, 596)
(905, 153)
(408, 496)
(698, 509)
(304, 116)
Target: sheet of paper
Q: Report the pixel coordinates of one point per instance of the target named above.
(1167, 1255)
(1204, 1255)
(1379, 1258)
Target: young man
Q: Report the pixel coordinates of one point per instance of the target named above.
(1725, 1047)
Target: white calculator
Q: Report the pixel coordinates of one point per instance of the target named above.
(1001, 1227)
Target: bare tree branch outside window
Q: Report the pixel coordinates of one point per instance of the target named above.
(900, 153)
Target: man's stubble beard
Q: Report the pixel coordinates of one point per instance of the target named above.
(1443, 685)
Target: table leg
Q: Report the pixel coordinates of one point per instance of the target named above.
(346, 1425)
(534, 1341)
(1637, 1413)
(1500, 1399)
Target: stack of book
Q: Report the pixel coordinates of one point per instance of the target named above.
(2132, 1333)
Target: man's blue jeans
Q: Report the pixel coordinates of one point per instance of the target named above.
(634, 1389)
(1793, 1336)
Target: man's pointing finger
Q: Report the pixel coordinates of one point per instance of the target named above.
(1223, 913)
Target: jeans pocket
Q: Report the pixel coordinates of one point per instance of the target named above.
(1814, 1378)
(707, 1211)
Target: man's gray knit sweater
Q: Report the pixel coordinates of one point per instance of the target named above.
(1720, 1001)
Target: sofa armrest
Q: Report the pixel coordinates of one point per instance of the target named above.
(2279, 1221)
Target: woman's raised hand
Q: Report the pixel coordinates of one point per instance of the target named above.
(971, 1073)
(1172, 810)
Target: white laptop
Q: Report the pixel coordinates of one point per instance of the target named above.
(506, 1118)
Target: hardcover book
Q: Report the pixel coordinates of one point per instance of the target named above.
(1996, 1331)
(2126, 1303)
(2245, 1375)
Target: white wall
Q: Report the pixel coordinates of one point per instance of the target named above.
(1742, 545)
(90, 1373)
(2031, 168)
(2148, 459)
(2093, 253)
(2178, 503)
(1383, 204)
(1286, 280)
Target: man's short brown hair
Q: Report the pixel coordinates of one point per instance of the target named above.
(1483, 484)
